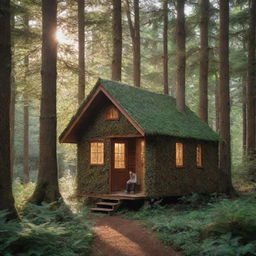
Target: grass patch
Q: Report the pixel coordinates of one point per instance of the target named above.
(219, 227)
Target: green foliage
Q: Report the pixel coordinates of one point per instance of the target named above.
(44, 231)
(235, 217)
(22, 193)
(221, 227)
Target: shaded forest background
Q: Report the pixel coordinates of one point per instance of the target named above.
(26, 34)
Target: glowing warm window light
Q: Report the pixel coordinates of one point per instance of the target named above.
(199, 160)
(112, 114)
(179, 154)
(97, 153)
(119, 149)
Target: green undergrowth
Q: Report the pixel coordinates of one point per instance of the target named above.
(219, 227)
(44, 230)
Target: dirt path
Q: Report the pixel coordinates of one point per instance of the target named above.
(116, 236)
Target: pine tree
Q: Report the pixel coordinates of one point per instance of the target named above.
(81, 51)
(180, 55)
(204, 60)
(251, 88)
(6, 196)
(224, 98)
(165, 47)
(47, 188)
(117, 40)
(135, 35)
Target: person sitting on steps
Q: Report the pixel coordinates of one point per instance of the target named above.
(130, 184)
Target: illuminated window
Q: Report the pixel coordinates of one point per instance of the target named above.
(199, 161)
(97, 153)
(119, 155)
(112, 113)
(179, 154)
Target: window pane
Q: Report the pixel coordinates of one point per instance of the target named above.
(112, 113)
(119, 155)
(199, 155)
(179, 154)
(97, 153)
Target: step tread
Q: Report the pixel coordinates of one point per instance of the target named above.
(107, 203)
(102, 209)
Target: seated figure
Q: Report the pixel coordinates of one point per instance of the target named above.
(130, 184)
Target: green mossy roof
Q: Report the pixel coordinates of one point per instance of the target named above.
(157, 113)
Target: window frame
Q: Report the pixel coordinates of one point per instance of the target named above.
(90, 151)
(182, 165)
(113, 108)
(201, 156)
(125, 155)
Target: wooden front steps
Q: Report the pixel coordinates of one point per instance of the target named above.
(107, 205)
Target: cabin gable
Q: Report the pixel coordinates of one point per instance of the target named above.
(99, 126)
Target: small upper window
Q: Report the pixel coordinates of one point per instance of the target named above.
(179, 154)
(97, 153)
(199, 160)
(112, 113)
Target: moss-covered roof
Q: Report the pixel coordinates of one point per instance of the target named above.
(155, 113)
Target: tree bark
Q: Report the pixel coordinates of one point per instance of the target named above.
(224, 98)
(6, 196)
(117, 40)
(165, 47)
(244, 113)
(135, 35)
(217, 95)
(13, 102)
(180, 56)
(25, 111)
(26, 144)
(251, 90)
(81, 43)
(47, 188)
(204, 60)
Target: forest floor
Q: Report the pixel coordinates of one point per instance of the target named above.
(116, 236)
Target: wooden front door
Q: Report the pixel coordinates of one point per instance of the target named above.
(119, 163)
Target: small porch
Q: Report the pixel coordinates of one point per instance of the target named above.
(110, 203)
(118, 195)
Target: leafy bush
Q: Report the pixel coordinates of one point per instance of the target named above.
(44, 231)
(22, 193)
(222, 227)
(236, 217)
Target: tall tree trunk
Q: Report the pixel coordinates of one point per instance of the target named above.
(251, 90)
(81, 43)
(135, 35)
(165, 47)
(6, 196)
(117, 40)
(244, 113)
(47, 188)
(180, 56)
(204, 60)
(217, 95)
(26, 143)
(25, 109)
(224, 99)
(13, 101)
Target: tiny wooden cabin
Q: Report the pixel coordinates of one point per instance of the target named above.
(120, 128)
